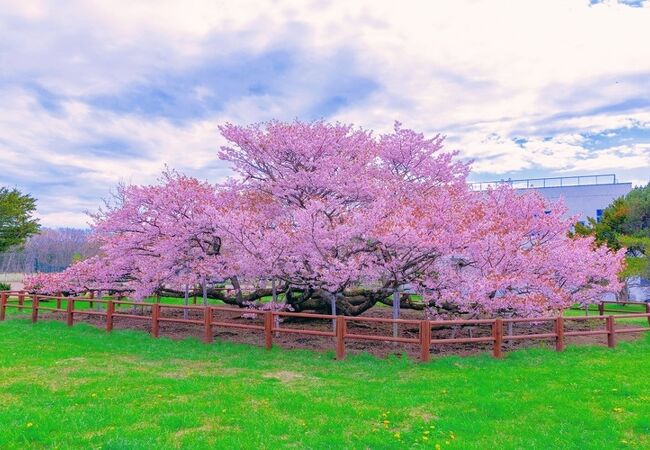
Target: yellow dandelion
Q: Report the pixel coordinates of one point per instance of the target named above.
(374, 430)
(29, 424)
(447, 442)
(425, 432)
(438, 447)
(386, 422)
(396, 435)
(425, 438)
(618, 410)
(93, 395)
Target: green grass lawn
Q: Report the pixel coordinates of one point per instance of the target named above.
(84, 388)
(619, 309)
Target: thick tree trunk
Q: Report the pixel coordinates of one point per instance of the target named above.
(239, 299)
(349, 303)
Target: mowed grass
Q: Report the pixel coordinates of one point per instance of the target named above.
(611, 309)
(83, 388)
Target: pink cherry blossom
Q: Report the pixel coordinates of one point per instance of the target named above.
(342, 218)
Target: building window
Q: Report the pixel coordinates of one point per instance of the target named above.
(599, 215)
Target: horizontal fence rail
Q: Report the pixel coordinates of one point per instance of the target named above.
(114, 309)
(527, 183)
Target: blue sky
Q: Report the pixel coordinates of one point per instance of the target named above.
(96, 93)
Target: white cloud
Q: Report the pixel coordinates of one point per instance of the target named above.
(483, 72)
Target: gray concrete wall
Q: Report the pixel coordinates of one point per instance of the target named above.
(587, 199)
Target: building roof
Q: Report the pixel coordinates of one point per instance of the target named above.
(547, 182)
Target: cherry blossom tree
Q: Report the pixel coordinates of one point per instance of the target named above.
(349, 206)
(522, 260)
(341, 219)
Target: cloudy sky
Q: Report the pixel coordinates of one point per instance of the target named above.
(98, 92)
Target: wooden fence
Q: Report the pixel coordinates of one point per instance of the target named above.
(340, 333)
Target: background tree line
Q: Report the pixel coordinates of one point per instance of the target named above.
(51, 250)
(26, 247)
(16, 218)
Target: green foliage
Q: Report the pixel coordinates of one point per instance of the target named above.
(637, 220)
(637, 245)
(625, 223)
(84, 388)
(638, 263)
(636, 266)
(5, 286)
(16, 218)
(610, 227)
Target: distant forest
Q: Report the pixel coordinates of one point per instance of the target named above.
(52, 250)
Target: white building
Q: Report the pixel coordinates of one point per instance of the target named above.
(586, 196)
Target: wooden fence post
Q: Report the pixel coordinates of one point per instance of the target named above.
(601, 308)
(611, 337)
(207, 323)
(110, 309)
(425, 340)
(35, 308)
(3, 305)
(647, 311)
(58, 301)
(497, 335)
(70, 310)
(155, 314)
(21, 300)
(559, 334)
(340, 337)
(268, 329)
